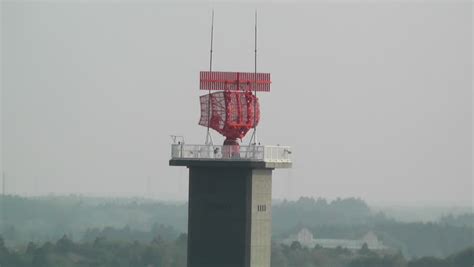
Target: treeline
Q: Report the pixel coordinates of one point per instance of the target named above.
(412, 239)
(311, 211)
(83, 219)
(103, 252)
(460, 220)
(48, 218)
(352, 218)
(297, 256)
(163, 232)
(99, 253)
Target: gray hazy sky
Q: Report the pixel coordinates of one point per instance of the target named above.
(376, 99)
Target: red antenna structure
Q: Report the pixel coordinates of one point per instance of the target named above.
(233, 110)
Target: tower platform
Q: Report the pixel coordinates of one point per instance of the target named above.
(230, 195)
(253, 156)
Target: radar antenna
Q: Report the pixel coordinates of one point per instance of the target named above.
(234, 109)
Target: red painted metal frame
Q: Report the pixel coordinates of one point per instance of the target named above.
(232, 112)
(234, 81)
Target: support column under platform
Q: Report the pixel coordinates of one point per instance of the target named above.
(229, 219)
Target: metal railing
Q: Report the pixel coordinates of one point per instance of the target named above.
(220, 152)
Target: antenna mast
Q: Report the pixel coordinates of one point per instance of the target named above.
(208, 136)
(253, 138)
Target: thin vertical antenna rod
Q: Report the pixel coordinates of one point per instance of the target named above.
(255, 85)
(212, 40)
(208, 136)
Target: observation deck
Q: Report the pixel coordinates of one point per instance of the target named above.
(254, 156)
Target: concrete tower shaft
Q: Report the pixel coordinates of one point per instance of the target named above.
(229, 216)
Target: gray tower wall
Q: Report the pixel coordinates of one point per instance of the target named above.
(229, 215)
(261, 218)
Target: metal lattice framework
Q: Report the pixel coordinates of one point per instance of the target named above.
(236, 81)
(235, 109)
(232, 113)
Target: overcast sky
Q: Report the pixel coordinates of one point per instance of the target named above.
(376, 99)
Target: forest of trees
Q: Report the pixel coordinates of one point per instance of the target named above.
(105, 252)
(40, 222)
(352, 218)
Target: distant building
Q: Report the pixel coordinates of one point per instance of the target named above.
(306, 239)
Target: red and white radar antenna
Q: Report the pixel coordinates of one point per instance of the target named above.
(233, 109)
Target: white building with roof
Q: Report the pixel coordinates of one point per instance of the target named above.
(306, 239)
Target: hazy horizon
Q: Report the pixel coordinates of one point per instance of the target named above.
(374, 98)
